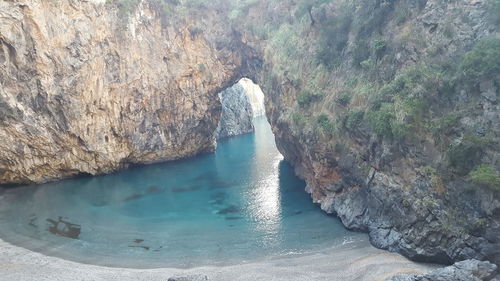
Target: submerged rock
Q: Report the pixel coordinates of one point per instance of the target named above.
(468, 270)
(64, 228)
(237, 115)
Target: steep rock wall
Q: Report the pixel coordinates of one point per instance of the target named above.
(237, 114)
(79, 94)
(391, 187)
(83, 92)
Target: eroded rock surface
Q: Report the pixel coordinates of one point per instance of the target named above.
(80, 93)
(406, 191)
(468, 270)
(237, 114)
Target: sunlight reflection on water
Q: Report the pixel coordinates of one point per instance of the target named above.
(239, 204)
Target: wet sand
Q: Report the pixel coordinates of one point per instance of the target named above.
(357, 261)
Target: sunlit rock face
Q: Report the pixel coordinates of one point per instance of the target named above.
(237, 114)
(80, 93)
(255, 96)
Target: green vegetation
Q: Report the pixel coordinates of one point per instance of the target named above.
(379, 46)
(483, 61)
(361, 52)
(298, 119)
(325, 124)
(344, 99)
(465, 156)
(384, 122)
(399, 108)
(354, 118)
(487, 176)
(306, 97)
(495, 11)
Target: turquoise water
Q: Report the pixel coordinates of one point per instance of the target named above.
(240, 204)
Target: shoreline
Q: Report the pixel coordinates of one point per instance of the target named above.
(353, 261)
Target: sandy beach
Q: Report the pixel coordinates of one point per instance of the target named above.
(355, 261)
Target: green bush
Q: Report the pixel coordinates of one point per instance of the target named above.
(379, 46)
(486, 175)
(463, 157)
(385, 122)
(344, 99)
(368, 64)
(306, 97)
(354, 118)
(382, 119)
(326, 125)
(483, 61)
(360, 53)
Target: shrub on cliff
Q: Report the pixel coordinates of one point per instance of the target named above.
(306, 97)
(483, 61)
(325, 124)
(486, 175)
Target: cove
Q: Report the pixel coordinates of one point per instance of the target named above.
(240, 204)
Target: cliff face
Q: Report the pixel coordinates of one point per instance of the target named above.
(84, 92)
(237, 114)
(388, 109)
(381, 115)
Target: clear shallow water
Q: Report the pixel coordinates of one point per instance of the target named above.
(240, 204)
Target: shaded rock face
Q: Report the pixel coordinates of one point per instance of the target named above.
(81, 94)
(237, 114)
(468, 270)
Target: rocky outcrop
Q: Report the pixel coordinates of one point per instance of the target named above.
(406, 192)
(84, 92)
(359, 96)
(255, 95)
(468, 270)
(237, 114)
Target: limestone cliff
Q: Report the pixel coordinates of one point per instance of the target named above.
(83, 91)
(388, 109)
(237, 114)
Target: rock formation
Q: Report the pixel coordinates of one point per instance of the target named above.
(468, 270)
(388, 137)
(237, 114)
(255, 95)
(388, 109)
(86, 90)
